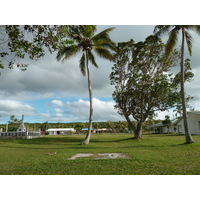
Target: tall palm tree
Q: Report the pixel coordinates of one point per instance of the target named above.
(87, 42)
(173, 31)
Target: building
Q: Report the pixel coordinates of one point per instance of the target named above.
(85, 130)
(60, 131)
(177, 125)
(161, 128)
(193, 123)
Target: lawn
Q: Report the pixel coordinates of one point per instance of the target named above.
(155, 154)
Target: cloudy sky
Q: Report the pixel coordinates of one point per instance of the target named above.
(57, 92)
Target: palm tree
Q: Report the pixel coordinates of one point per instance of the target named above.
(174, 31)
(86, 41)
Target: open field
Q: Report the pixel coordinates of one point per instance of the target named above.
(155, 154)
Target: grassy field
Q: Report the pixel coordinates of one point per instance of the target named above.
(155, 154)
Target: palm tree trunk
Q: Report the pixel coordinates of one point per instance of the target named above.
(188, 136)
(87, 138)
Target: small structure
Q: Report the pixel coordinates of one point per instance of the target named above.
(177, 125)
(22, 128)
(60, 131)
(161, 128)
(97, 130)
(103, 130)
(21, 133)
(85, 130)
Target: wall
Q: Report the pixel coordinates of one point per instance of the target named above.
(19, 135)
(193, 123)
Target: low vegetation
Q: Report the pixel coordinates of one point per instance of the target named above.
(155, 154)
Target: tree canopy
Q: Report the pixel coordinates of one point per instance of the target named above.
(18, 42)
(142, 80)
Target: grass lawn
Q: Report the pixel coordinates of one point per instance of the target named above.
(155, 154)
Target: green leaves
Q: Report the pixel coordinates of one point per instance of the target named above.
(31, 41)
(85, 40)
(141, 79)
(82, 64)
(67, 52)
(173, 31)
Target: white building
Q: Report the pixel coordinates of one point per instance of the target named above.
(177, 125)
(161, 128)
(60, 131)
(193, 123)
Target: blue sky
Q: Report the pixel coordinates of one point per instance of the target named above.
(57, 92)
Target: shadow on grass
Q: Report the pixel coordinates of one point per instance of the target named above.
(183, 144)
(49, 141)
(165, 135)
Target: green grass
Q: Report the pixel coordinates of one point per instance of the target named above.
(155, 154)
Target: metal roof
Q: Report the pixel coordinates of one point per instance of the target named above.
(194, 112)
(173, 122)
(60, 129)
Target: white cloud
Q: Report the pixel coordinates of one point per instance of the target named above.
(79, 111)
(17, 108)
(57, 102)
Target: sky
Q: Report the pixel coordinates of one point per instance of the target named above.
(57, 92)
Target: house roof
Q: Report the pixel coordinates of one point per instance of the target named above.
(194, 112)
(156, 125)
(176, 121)
(173, 122)
(60, 129)
(86, 129)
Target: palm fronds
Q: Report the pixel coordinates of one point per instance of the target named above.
(82, 64)
(67, 52)
(83, 36)
(92, 59)
(161, 30)
(103, 36)
(104, 53)
(189, 41)
(196, 29)
(172, 40)
(107, 45)
(88, 30)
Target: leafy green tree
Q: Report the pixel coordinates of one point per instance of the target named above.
(87, 42)
(13, 120)
(167, 122)
(18, 42)
(110, 126)
(173, 31)
(142, 82)
(44, 126)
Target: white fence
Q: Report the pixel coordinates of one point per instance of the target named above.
(20, 135)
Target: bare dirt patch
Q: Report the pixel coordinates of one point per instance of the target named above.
(99, 156)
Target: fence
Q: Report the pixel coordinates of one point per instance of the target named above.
(19, 135)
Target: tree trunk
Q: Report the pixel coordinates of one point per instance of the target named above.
(188, 136)
(88, 135)
(138, 131)
(130, 123)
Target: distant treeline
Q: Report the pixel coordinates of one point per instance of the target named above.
(121, 126)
